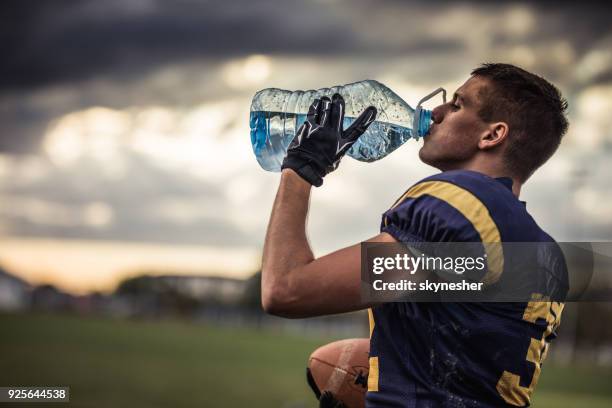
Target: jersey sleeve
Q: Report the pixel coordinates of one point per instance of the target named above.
(433, 212)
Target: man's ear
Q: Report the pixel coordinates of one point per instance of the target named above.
(493, 136)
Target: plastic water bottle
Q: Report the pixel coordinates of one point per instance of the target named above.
(277, 114)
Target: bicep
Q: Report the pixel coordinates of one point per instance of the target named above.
(330, 284)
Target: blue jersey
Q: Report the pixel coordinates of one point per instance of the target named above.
(462, 354)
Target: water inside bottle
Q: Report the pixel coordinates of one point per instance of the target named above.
(272, 132)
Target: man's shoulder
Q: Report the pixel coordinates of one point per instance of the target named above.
(481, 202)
(444, 207)
(470, 180)
(461, 188)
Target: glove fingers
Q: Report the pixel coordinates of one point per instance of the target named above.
(313, 112)
(299, 135)
(337, 112)
(361, 124)
(324, 111)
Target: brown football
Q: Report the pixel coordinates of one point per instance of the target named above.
(342, 368)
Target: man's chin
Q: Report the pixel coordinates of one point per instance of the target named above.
(429, 159)
(423, 155)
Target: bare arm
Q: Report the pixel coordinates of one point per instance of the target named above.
(294, 283)
(286, 245)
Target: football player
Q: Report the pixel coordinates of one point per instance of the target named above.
(501, 125)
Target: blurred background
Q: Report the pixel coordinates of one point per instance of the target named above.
(133, 212)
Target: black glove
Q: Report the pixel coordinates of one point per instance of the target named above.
(320, 142)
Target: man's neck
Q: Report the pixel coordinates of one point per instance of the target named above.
(491, 169)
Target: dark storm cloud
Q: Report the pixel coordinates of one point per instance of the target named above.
(45, 42)
(66, 40)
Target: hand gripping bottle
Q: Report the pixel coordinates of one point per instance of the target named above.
(277, 114)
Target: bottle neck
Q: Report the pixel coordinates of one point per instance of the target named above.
(424, 122)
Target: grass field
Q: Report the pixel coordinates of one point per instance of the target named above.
(177, 364)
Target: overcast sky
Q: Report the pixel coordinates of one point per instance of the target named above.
(128, 120)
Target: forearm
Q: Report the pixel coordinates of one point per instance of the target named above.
(291, 279)
(286, 246)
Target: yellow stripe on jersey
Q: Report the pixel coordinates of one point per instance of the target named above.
(373, 361)
(474, 211)
(373, 375)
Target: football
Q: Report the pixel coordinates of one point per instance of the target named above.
(341, 368)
